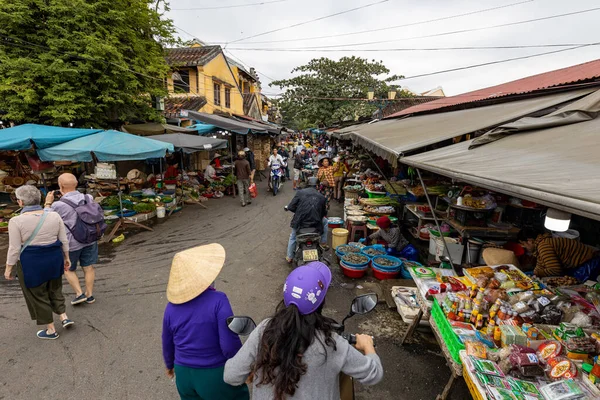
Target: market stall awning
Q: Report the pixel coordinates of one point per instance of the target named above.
(21, 137)
(271, 127)
(150, 129)
(191, 143)
(558, 167)
(107, 146)
(391, 139)
(227, 124)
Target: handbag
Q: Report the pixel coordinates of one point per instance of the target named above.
(43, 263)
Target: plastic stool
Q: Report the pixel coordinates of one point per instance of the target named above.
(354, 229)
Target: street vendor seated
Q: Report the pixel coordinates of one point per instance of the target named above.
(172, 171)
(560, 256)
(210, 173)
(217, 160)
(389, 235)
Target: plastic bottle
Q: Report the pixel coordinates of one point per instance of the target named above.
(479, 323)
(496, 306)
(461, 315)
(497, 336)
(473, 292)
(480, 294)
(491, 327)
(502, 314)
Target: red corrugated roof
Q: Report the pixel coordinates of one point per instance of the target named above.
(577, 73)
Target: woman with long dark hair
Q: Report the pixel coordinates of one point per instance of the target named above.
(296, 354)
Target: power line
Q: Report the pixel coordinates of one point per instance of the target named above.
(310, 21)
(450, 32)
(262, 3)
(416, 49)
(499, 61)
(247, 65)
(396, 26)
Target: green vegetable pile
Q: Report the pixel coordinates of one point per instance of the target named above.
(144, 208)
(229, 180)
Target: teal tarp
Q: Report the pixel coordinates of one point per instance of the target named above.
(204, 129)
(20, 137)
(107, 146)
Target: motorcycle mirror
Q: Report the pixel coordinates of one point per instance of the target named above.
(242, 326)
(364, 303)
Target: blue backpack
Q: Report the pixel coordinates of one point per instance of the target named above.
(90, 225)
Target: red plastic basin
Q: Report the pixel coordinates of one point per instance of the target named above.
(352, 273)
(385, 275)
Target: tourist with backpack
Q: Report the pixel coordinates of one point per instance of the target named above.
(84, 220)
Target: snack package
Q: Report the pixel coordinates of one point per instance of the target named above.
(527, 364)
(495, 393)
(454, 284)
(492, 380)
(549, 349)
(486, 366)
(522, 386)
(476, 349)
(561, 368)
(562, 390)
(566, 331)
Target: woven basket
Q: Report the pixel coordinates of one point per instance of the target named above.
(351, 194)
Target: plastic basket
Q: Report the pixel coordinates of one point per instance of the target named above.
(375, 195)
(448, 336)
(472, 388)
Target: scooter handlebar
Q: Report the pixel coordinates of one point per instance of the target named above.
(351, 338)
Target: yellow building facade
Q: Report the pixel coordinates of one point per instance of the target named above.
(203, 79)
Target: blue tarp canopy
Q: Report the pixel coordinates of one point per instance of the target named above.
(204, 129)
(21, 137)
(107, 146)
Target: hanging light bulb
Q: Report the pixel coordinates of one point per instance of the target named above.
(557, 220)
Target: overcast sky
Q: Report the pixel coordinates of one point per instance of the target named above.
(229, 24)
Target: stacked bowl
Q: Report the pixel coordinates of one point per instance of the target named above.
(354, 265)
(386, 267)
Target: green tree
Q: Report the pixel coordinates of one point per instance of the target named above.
(316, 97)
(87, 62)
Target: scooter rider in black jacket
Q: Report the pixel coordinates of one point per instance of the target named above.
(310, 211)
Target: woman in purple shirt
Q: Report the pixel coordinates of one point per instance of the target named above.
(195, 339)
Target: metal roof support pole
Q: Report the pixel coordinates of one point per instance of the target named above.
(381, 172)
(437, 223)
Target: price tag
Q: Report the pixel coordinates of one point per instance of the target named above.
(543, 301)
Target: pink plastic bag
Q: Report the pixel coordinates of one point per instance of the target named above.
(253, 190)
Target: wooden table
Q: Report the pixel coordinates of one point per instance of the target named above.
(455, 368)
(424, 305)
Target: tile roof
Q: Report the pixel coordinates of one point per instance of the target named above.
(174, 105)
(192, 56)
(588, 71)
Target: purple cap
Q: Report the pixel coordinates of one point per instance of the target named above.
(306, 287)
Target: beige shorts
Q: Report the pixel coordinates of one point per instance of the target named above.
(296, 174)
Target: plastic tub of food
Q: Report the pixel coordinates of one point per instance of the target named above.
(395, 264)
(352, 273)
(375, 195)
(373, 251)
(344, 249)
(385, 275)
(357, 261)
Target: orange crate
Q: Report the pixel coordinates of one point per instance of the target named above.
(472, 388)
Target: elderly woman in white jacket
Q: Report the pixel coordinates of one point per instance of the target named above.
(39, 252)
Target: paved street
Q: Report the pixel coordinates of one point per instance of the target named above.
(114, 350)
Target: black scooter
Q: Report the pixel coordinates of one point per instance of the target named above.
(362, 304)
(308, 247)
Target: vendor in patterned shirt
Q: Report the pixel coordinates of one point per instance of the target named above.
(557, 256)
(389, 234)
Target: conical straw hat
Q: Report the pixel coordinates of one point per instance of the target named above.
(193, 270)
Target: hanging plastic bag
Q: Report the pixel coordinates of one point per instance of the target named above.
(253, 190)
(410, 252)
